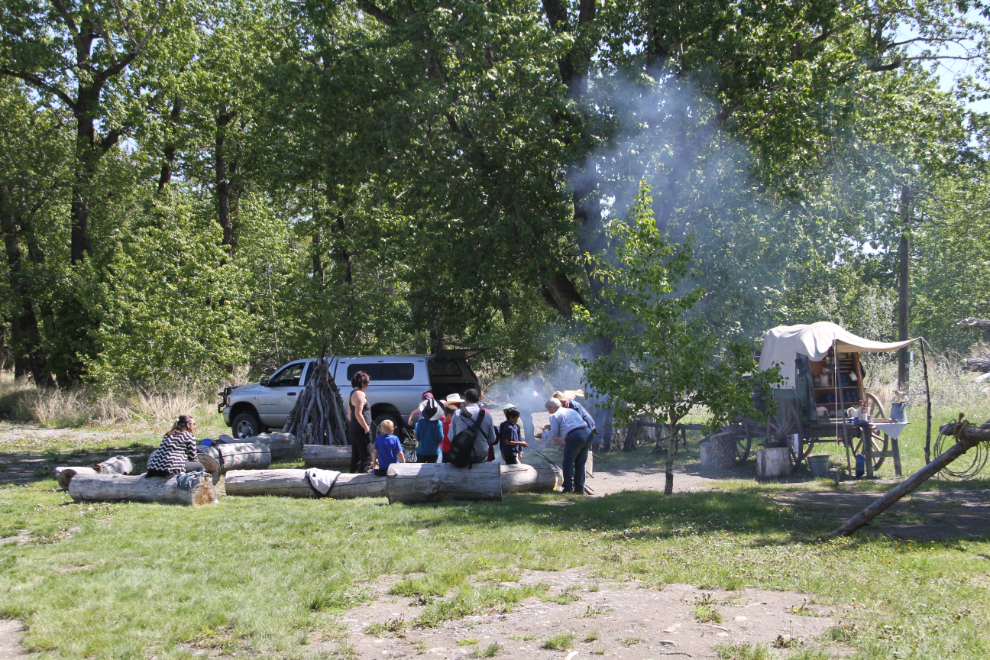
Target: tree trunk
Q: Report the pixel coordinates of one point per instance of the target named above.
(318, 274)
(168, 161)
(718, 451)
(25, 340)
(239, 456)
(326, 457)
(63, 475)
(773, 462)
(293, 483)
(412, 483)
(79, 211)
(530, 478)
(222, 177)
(668, 488)
(196, 488)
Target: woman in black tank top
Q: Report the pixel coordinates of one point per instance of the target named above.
(359, 424)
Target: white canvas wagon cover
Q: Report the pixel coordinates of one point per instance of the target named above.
(783, 343)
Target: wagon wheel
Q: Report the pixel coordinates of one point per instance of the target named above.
(880, 441)
(744, 441)
(783, 425)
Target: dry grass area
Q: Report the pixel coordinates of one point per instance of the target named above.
(120, 408)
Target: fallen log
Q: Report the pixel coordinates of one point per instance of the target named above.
(968, 437)
(190, 488)
(239, 455)
(530, 478)
(280, 445)
(326, 457)
(293, 483)
(414, 483)
(115, 465)
(63, 475)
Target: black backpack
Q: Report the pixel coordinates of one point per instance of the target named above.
(462, 451)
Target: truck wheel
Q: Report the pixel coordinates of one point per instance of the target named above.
(245, 425)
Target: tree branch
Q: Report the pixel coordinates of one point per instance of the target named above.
(66, 16)
(40, 84)
(372, 9)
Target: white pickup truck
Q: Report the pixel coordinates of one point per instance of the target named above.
(397, 387)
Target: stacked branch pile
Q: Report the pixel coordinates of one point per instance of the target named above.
(318, 416)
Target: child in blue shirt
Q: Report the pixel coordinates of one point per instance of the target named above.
(387, 449)
(510, 443)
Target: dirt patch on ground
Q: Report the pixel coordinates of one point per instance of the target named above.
(622, 620)
(11, 640)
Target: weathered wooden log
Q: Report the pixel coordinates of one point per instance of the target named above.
(239, 455)
(539, 478)
(115, 465)
(349, 486)
(412, 483)
(326, 457)
(211, 465)
(773, 462)
(63, 475)
(280, 445)
(190, 488)
(968, 438)
(718, 451)
(293, 483)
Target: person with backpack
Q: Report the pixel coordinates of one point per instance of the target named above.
(567, 428)
(472, 431)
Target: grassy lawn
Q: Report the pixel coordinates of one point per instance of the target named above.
(255, 576)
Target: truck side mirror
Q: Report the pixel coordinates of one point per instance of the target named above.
(264, 381)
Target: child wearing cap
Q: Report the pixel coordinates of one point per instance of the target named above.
(509, 441)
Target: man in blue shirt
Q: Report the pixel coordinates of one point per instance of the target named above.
(569, 429)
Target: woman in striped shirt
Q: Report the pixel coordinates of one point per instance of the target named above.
(177, 453)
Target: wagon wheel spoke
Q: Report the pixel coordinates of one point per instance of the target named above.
(881, 441)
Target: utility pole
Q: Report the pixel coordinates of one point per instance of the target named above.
(902, 281)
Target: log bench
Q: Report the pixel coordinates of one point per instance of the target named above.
(293, 483)
(326, 457)
(192, 488)
(415, 483)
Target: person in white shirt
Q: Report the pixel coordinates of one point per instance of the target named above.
(567, 428)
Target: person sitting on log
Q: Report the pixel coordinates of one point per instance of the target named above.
(509, 440)
(429, 432)
(567, 428)
(387, 449)
(177, 453)
(474, 418)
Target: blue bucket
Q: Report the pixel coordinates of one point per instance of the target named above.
(897, 412)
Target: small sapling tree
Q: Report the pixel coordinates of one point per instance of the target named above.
(663, 361)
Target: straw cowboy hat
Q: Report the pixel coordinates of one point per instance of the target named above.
(454, 400)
